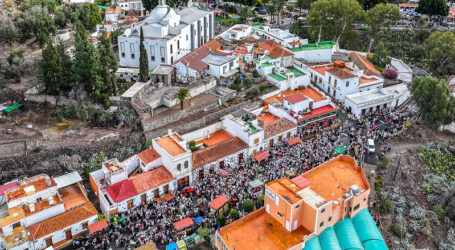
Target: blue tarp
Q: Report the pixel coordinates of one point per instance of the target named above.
(172, 246)
(102, 7)
(346, 234)
(313, 244)
(199, 219)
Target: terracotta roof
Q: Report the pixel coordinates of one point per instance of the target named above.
(148, 155)
(218, 202)
(278, 51)
(277, 127)
(322, 69)
(193, 59)
(294, 141)
(218, 151)
(268, 44)
(341, 73)
(261, 156)
(14, 214)
(122, 190)
(363, 64)
(170, 146)
(151, 179)
(214, 138)
(97, 226)
(295, 98)
(214, 45)
(301, 181)
(62, 220)
(183, 223)
(364, 80)
(415, 5)
(295, 43)
(250, 39)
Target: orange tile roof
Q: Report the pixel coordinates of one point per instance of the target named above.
(333, 179)
(309, 92)
(177, 137)
(260, 231)
(294, 43)
(193, 59)
(214, 45)
(214, 138)
(97, 226)
(363, 64)
(183, 223)
(415, 5)
(295, 98)
(170, 146)
(72, 196)
(148, 155)
(286, 189)
(277, 127)
(268, 44)
(341, 73)
(278, 51)
(15, 214)
(219, 201)
(218, 151)
(62, 220)
(268, 117)
(363, 80)
(151, 179)
(39, 182)
(322, 69)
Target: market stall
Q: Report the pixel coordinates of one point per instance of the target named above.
(256, 185)
(184, 225)
(294, 141)
(261, 156)
(219, 204)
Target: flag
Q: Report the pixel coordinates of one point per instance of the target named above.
(218, 227)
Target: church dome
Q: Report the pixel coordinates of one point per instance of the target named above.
(161, 12)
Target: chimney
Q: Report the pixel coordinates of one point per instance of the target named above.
(169, 132)
(51, 200)
(31, 206)
(48, 181)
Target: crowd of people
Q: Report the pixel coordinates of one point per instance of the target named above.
(154, 221)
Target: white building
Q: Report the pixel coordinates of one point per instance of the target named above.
(320, 52)
(168, 35)
(79, 1)
(130, 5)
(403, 70)
(362, 103)
(46, 212)
(221, 65)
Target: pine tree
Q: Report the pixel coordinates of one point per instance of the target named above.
(143, 61)
(67, 83)
(108, 63)
(85, 67)
(50, 69)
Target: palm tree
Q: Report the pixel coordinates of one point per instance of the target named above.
(297, 27)
(182, 94)
(246, 12)
(300, 4)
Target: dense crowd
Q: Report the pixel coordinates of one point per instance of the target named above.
(154, 221)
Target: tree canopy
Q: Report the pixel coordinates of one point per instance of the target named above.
(433, 7)
(440, 53)
(434, 100)
(380, 17)
(143, 60)
(51, 70)
(182, 94)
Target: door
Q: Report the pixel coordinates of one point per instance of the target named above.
(144, 198)
(49, 242)
(183, 182)
(156, 193)
(68, 234)
(130, 204)
(271, 143)
(201, 174)
(240, 157)
(267, 208)
(166, 189)
(279, 138)
(288, 227)
(221, 164)
(295, 224)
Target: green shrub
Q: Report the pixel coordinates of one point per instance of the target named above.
(439, 211)
(261, 200)
(385, 160)
(255, 74)
(236, 86)
(398, 230)
(192, 145)
(234, 214)
(148, 143)
(253, 92)
(207, 241)
(203, 231)
(262, 88)
(221, 220)
(378, 183)
(387, 206)
(426, 188)
(237, 80)
(247, 82)
(248, 206)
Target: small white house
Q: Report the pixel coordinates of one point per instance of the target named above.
(221, 65)
(403, 70)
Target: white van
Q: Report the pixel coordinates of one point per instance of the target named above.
(371, 148)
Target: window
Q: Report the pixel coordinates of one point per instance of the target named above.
(356, 207)
(330, 79)
(133, 56)
(321, 224)
(179, 167)
(187, 37)
(132, 48)
(330, 218)
(84, 225)
(186, 164)
(278, 213)
(364, 199)
(152, 58)
(162, 59)
(152, 50)
(123, 54)
(323, 211)
(171, 49)
(335, 83)
(162, 51)
(122, 46)
(347, 84)
(256, 141)
(178, 44)
(297, 207)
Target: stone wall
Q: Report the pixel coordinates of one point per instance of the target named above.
(11, 149)
(53, 100)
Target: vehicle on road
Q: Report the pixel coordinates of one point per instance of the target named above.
(370, 146)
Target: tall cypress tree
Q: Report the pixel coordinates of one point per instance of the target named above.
(67, 83)
(143, 61)
(50, 69)
(108, 63)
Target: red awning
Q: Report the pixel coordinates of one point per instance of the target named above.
(301, 181)
(294, 141)
(224, 172)
(97, 226)
(218, 202)
(168, 197)
(261, 156)
(183, 223)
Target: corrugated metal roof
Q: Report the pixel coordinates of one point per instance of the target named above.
(313, 244)
(328, 239)
(346, 234)
(366, 227)
(67, 179)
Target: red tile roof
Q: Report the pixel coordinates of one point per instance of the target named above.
(183, 223)
(277, 127)
(341, 73)
(415, 5)
(294, 141)
(214, 45)
(62, 220)
(122, 190)
(151, 179)
(301, 181)
(148, 155)
(219, 202)
(218, 151)
(193, 59)
(278, 51)
(363, 64)
(295, 98)
(5, 187)
(261, 156)
(97, 226)
(268, 44)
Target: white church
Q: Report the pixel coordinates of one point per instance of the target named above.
(168, 35)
